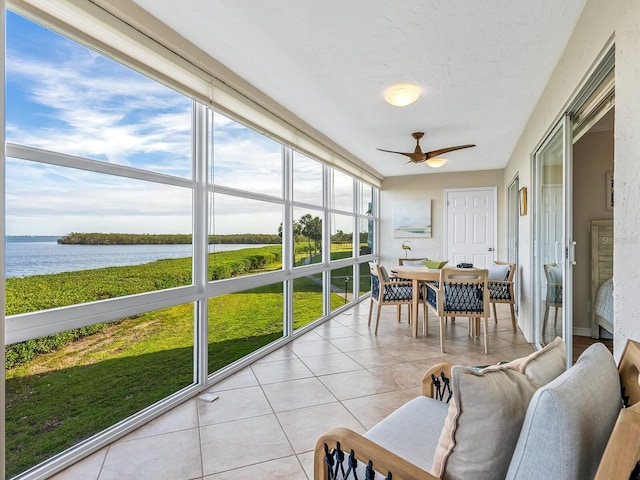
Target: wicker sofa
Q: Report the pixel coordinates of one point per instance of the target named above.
(528, 419)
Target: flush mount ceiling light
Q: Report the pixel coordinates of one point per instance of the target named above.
(436, 162)
(402, 94)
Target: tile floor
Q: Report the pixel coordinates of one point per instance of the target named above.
(268, 416)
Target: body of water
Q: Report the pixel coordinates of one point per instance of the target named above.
(26, 256)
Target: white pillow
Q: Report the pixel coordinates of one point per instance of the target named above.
(498, 272)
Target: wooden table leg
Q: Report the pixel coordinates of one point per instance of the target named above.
(414, 306)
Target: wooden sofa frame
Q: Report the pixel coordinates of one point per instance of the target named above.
(619, 458)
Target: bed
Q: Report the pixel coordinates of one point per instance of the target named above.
(601, 276)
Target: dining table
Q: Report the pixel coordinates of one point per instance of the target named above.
(416, 274)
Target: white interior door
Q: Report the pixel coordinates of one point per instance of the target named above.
(551, 247)
(471, 226)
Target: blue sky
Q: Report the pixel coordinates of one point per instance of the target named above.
(64, 97)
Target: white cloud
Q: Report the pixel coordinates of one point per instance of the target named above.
(87, 105)
(69, 99)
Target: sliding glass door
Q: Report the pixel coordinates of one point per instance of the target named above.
(554, 247)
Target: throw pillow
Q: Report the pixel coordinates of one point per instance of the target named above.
(486, 414)
(543, 365)
(498, 272)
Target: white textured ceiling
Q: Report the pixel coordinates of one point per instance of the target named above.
(482, 65)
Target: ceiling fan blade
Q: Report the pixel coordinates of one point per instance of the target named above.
(392, 151)
(436, 153)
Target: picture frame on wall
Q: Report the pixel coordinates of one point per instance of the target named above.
(523, 201)
(609, 190)
(412, 219)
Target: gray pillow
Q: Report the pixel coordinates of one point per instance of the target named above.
(569, 421)
(498, 272)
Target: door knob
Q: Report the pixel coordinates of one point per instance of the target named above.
(491, 249)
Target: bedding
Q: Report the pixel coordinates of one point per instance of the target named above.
(604, 306)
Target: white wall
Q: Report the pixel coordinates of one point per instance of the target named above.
(432, 186)
(601, 20)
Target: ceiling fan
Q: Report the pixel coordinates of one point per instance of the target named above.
(418, 156)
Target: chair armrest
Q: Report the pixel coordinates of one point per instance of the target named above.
(623, 450)
(428, 388)
(365, 450)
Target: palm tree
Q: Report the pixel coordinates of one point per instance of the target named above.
(315, 232)
(305, 222)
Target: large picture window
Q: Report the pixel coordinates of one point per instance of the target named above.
(145, 246)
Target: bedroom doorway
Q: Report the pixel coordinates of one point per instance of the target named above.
(593, 159)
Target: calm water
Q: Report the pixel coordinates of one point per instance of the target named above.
(26, 256)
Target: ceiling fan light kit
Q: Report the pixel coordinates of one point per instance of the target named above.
(430, 158)
(402, 94)
(436, 162)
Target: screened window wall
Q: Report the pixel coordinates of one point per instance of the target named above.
(153, 246)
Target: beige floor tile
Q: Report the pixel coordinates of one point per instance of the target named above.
(234, 405)
(242, 378)
(372, 409)
(288, 468)
(311, 336)
(182, 417)
(351, 320)
(306, 460)
(375, 357)
(410, 393)
(240, 443)
(281, 370)
(283, 353)
(155, 458)
(333, 363)
(305, 425)
(419, 350)
(312, 349)
(401, 375)
(354, 384)
(351, 344)
(293, 394)
(512, 338)
(338, 331)
(87, 469)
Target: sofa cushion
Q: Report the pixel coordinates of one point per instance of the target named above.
(409, 431)
(486, 413)
(569, 421)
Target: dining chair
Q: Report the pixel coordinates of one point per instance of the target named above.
(500, 284)
(387, 290)
(553, 274)
(415, 262)
(461, 292)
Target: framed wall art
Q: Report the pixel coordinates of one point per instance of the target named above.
(523, 201)
(412, 218)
